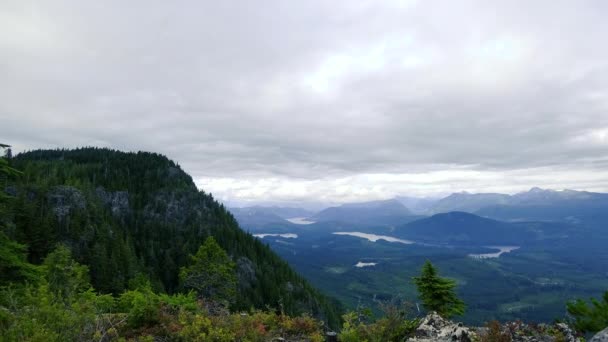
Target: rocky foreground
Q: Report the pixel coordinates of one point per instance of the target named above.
(434, 328)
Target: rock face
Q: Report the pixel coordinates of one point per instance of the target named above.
(602, 336)
(64, 199)
(117, 201)
(433, 328)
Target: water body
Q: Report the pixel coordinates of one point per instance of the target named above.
(365, 264)
(374, 237)
(287, 236)
(300, 220)
(501, 250)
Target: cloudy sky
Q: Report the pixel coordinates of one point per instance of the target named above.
(319, 100)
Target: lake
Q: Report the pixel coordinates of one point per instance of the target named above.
(300, 220)
(374, 237)
(287, 236)
(365, 264)
(501, 250)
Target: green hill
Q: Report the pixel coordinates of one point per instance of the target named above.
(124, 214)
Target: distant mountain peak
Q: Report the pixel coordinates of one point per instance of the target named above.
(537, 190)
(373, 211)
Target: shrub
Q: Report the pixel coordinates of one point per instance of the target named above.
(142, 307)
(495, 333)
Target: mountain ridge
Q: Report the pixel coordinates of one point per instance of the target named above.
(124, 213)
(380, 212)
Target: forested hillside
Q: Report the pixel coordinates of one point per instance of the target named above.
(130, 214)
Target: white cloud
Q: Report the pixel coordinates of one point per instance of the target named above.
(333, 100)
(383, 186)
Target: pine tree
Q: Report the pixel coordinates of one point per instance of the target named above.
(212, 274)
(437, 293)
(65, 276)
(13, 264)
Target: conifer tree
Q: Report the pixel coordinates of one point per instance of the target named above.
(13, 264)
(437, 293)
(65, 276)
(212, 274)
(589, 318)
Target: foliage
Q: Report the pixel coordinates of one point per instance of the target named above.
(179, 301)
(65, 277)
(589, 318)
(125, 215)
(395, 325)
(63, 307)
(141, 305)
(257, 326)
(437, 293)
(13, 264)
(200, 328)
(495, 333)
(211, 274)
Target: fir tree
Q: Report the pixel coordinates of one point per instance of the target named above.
(212, 274)
(437, 293)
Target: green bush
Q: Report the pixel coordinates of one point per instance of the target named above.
(142, 307)
(393, 326)
(200, 328)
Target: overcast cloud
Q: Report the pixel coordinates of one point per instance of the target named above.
(330, 100)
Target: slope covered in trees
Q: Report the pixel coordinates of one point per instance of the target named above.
(130, 214)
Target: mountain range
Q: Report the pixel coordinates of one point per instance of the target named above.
(533, 205)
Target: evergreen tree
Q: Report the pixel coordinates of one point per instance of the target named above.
(212, 274)
(65, 276)
(589, 318)
(437, 293)
(13, 264)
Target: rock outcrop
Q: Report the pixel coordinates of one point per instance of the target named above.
(64, 199)
(522, 332)
(602, 336)
(434, 328)
(116, 201)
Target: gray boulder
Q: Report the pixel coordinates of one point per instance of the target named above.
(601, 336)
(434, 328)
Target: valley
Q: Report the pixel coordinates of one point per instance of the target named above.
(505, 270)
